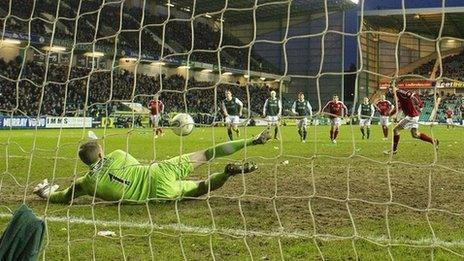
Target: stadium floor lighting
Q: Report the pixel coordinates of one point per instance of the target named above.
(184, 67)
(130, 59)
(158, 63)
(207, 71)
(227, 73)
(94, 54)
(10, 41)
(55, 48)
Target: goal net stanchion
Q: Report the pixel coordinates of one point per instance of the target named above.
(318, 199)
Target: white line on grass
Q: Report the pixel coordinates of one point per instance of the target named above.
(424, 242)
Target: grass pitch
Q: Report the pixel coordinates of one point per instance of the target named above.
(342, 201)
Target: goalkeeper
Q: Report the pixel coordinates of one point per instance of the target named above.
(119, 176)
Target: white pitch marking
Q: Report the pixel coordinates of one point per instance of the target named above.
(241, 232)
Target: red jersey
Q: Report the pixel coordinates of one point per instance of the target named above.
(449, 114)
(409, 102)
(384, 107)
(335, 108)
(156, 107)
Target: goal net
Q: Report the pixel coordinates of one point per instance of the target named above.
(68, 67)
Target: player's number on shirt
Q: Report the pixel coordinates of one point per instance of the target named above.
(114, 178)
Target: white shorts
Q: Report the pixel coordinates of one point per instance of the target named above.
(365, 122)
(384, 120)
(155, 119)
(335, 121)
(232, 119)
(272, 120)
(409, 122)
(449, 121)
(303, 122)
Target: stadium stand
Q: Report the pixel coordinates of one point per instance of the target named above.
(113, 22)
(57, 92)
(453, 67)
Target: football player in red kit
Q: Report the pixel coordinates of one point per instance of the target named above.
(156, 107)
(411, 105)
(384, 107)
(449, 118)
(336, 110)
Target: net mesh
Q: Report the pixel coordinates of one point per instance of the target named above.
(320, 203)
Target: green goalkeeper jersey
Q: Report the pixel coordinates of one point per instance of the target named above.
(118, 176)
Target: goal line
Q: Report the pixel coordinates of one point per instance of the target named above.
(383, 241)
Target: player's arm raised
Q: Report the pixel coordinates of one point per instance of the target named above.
(46, 191)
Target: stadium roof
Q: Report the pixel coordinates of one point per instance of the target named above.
(422, 21)
(241, 11)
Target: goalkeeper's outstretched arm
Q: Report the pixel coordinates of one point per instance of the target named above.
(47, 191)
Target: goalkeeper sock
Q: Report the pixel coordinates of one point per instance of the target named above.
(426, 138)
(227, 148)
(396, 140)
(304, 134)
(276, 130)
(362, 132)
(331, 134)
(368, 132)
(229, 132)
(300, 133)
(214, 182)
(335, 134)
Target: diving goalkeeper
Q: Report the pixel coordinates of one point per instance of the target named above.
(119, 176)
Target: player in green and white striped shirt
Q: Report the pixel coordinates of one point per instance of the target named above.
(365, 113)
(302, 108)
(232, 108)
(272, 110)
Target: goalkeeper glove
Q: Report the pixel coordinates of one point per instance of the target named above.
(44, 189)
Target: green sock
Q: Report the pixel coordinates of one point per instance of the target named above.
(229, 132)
(227, 148)
(214, 182)
(276, 131)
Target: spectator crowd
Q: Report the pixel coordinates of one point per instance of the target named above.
(132, 29)
(60, 90)
(453, 67)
